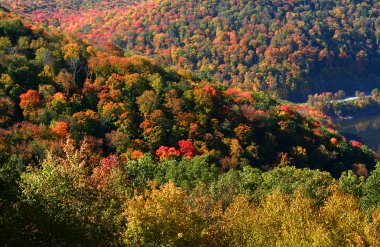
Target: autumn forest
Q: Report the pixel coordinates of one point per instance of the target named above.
(180, 123)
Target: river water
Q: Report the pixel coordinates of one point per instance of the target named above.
(364, 129)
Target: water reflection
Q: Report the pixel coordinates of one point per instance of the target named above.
(363, 129)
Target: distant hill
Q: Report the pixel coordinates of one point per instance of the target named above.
(58, 5)
(293, 47)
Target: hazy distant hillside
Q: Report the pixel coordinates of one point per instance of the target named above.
(59, 5)
(291, 47)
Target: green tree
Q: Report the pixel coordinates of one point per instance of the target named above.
(188, 173)
(148, 101)
(5, 45)
(351, 183)
(310, 183)
(84, 123)
(371, 190)
(142, 171)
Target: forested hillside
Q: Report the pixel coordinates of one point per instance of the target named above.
(292, 47)
(102, 149)
(57, 86)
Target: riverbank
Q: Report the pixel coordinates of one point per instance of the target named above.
(354, 107)
(338, 106)
(362, 113)
(363, 128)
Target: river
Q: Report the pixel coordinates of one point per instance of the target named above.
(365, 129)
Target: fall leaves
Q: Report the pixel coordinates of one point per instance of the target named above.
(98, 149)
(190, 203)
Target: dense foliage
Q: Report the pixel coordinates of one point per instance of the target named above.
(65, 202)
(101, 149)
(291, 47)
(52, 86)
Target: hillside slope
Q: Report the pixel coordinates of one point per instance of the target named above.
(132, 104)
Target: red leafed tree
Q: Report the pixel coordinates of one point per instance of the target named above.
(356, 143)
(107, 164)
(136, 154)
(186, 148)
(60, 129)
(209, 89)
(164, 152)
(29, 100)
